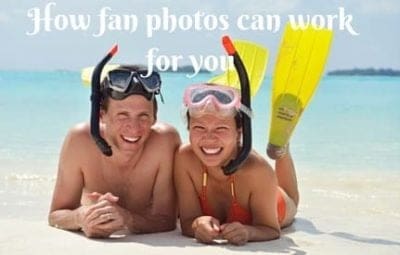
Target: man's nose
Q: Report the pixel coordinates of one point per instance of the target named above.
(133, 124)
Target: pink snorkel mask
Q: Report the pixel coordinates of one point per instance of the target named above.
(224, 99)
(210, 98)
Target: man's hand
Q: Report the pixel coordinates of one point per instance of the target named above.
(206, 229)
(103, 217)
(235, 232)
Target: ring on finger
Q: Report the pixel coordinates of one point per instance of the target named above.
(107, 216)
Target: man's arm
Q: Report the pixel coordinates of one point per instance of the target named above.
(66, 211)
(189, 207)
(65, 205)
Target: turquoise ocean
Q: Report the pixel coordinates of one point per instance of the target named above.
(351, 125)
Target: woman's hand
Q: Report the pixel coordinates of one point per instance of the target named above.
(206, 229)
(235, 232)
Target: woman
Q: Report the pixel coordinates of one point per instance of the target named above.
(252, 204)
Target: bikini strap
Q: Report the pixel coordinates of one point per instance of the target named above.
(204, 184)
(233, 193)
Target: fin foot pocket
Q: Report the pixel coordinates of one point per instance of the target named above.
(276, 152)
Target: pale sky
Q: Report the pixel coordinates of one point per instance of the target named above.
(377, 44)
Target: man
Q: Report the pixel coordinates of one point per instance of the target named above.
(133, 188)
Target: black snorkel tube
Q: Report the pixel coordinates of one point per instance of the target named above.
(96, 99)
(245, 100)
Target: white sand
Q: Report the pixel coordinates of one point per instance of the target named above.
(338, 214)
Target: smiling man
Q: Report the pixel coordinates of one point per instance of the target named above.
(133, 188)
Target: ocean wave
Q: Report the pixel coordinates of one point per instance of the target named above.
(29, 177)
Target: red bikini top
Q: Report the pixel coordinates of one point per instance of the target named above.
(235, 213)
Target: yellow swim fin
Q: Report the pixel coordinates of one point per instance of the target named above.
(86, 73)
(301, 60)
(255, 58)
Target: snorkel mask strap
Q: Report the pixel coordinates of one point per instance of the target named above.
(96, 99)
(245, 100)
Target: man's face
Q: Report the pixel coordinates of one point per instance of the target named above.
(128, 122)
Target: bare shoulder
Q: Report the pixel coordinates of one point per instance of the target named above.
(185, 153)
(185, 150)
(163, 132)
(185, 158)
(79, 139)
(79, 131)
(257, 168)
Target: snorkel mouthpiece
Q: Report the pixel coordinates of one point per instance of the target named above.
(245, 100)
(95, 101)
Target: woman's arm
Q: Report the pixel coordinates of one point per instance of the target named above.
(188, 200)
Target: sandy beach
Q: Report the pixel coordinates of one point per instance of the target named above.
(346, 155)
(339, 213)
(346, 147)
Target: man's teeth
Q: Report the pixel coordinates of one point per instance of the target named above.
(131, 139)
(211, 151)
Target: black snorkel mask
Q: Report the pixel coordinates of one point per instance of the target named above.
(245, 100)
(118, 84)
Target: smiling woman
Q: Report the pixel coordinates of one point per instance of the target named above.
(245, 206)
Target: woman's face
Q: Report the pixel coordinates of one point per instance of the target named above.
(214, 139)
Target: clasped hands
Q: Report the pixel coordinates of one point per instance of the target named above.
(103, 216)
(207, 229)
